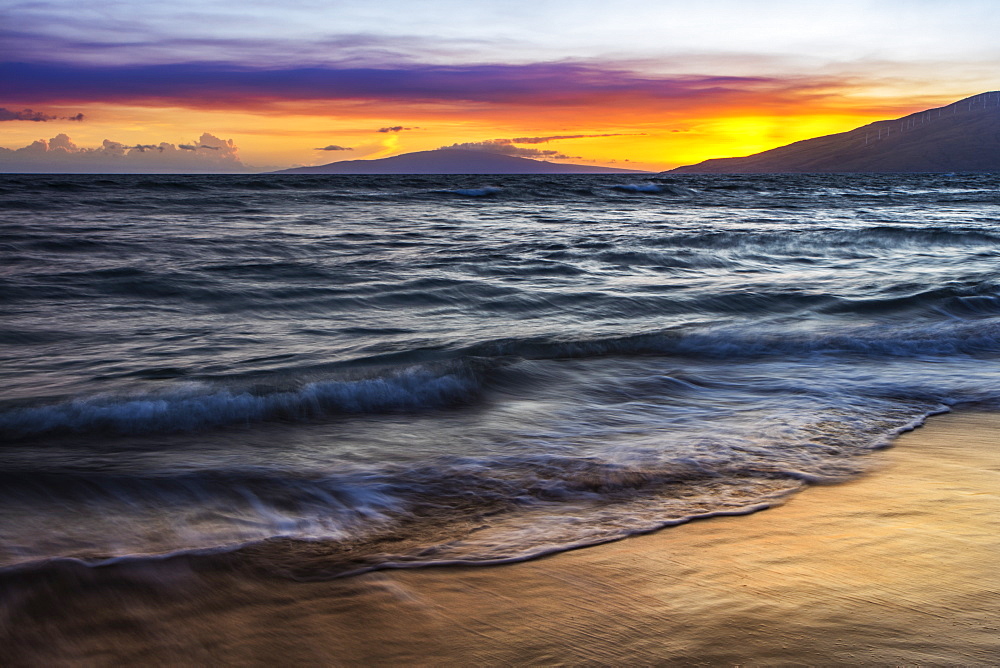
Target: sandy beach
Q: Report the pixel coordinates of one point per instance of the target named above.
(895, 568)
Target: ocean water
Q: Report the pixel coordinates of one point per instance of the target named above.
(328, 374)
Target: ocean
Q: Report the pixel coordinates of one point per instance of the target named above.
(318, 376)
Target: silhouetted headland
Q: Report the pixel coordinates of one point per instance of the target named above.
(454, 161)
(961, 137)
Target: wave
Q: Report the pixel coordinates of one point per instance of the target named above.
(470, 192)
(461, 376)
(305, 560)
(197, 406)
(452, 510)
(289, 286)
(825, 241)
(652, 189)
(828, 190)
(183, 185)
(472, 510)
(755, 341)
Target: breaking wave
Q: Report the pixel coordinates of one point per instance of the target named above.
(198, 406)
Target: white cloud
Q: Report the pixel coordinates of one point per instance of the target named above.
(491, 31)
(59, 154)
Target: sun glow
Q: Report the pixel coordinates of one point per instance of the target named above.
(745, 135)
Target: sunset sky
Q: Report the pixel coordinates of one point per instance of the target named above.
(644, 84)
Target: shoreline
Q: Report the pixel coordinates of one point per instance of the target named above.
(897, 566)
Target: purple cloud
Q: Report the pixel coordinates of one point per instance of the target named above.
(506, 147)
(24, 115)
(220, 86)
(79, 40)
(334, 147)
(30, 115)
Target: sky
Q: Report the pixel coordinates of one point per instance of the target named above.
(210, 85)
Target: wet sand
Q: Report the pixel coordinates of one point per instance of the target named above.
(899, 567)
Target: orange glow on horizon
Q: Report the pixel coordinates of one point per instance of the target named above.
(650, 139)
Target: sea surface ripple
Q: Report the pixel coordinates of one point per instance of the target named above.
(328, 374)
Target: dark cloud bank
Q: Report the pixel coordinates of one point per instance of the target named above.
(220, 85)
(36, 116)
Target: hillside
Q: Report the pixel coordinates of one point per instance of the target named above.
(961, 137)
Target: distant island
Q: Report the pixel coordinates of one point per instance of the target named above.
(961, 137)
(454, 161)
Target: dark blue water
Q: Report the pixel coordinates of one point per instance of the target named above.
(423, 369)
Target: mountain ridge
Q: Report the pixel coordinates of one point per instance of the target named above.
(454, 161)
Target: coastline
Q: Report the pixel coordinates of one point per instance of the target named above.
(895, 567)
